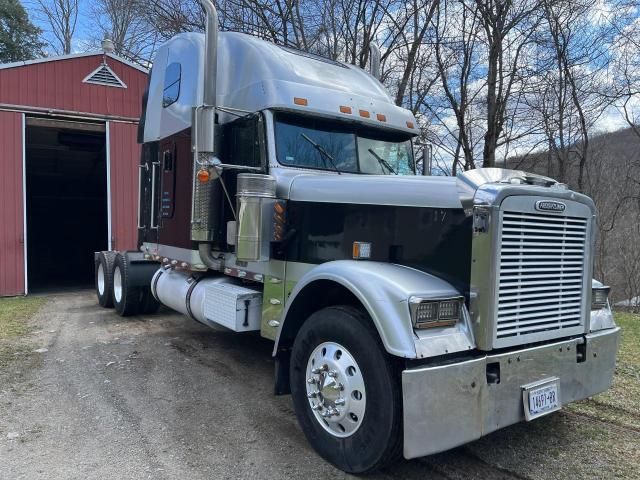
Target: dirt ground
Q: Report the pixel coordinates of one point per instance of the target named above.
(90, 395)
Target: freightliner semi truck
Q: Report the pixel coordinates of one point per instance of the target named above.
(410, 314)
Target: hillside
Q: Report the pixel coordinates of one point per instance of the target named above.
(612, 179)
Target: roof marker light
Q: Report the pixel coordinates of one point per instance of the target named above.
(345, 109)
(410, 124)
(381, 117)
(300, 101)
(364, 113)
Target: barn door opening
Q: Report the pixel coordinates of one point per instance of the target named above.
(66, 193)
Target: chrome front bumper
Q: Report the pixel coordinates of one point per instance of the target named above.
(449, 405)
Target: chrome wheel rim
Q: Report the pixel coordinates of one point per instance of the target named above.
(117, 284)
(335, 389)
(100, 279)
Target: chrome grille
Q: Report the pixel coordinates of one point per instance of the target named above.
(541, 275)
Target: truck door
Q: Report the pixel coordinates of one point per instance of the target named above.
(173, 195)
(148, 205)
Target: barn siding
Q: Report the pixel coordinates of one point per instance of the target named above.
(124, 155)
(11, 205)
(57, 84)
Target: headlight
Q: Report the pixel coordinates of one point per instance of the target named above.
(435, 313)
(599, 297)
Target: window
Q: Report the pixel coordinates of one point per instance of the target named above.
(242, 141)
(172, 77)
(297, 137)
(320, 144)
(397, 156)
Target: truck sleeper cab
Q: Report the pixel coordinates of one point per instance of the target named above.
(410, 314)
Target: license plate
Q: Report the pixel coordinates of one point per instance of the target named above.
(541, 398)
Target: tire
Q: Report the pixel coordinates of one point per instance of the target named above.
(148, 303)
(370, 438)
(126, 298)
(104, 278)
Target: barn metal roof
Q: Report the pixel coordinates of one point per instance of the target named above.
(60, 85)
(71, 56)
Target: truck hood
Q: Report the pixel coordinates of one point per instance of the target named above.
(408, 191)
(483, 186)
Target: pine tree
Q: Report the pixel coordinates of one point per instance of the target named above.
(19, 38)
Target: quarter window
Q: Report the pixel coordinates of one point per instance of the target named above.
(172, 77)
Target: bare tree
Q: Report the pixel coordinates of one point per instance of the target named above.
(411, 28)
(508, 27)
(567, 77)
(62, 17)
(456, 45)
(124, 22)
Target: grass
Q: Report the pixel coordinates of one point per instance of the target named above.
(14, 323)
(15, 313)
(621, 403)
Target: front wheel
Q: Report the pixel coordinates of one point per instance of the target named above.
(346, 390)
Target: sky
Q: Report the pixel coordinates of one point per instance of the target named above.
(84, 27)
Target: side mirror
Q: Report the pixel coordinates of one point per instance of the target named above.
(427, 156)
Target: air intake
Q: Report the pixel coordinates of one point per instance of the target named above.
(103, 75)
(542, 272)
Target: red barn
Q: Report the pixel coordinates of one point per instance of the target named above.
(68, 167)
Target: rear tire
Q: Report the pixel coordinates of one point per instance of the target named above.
(362, 431)
(104, 278)
(126, 297)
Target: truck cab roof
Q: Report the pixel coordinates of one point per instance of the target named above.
(255, 75)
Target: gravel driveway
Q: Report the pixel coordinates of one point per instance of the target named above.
(163, 397)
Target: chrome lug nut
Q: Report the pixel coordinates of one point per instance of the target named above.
(332, 374)
(340, 401)
(311, 381)
(321, 369)
(312, 395)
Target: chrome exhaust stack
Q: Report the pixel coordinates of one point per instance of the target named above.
(203, 211)
(374, 53)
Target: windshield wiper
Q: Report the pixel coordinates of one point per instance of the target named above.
(382, 161)
(325, 155)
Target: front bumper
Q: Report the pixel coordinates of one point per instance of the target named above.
(449, 405)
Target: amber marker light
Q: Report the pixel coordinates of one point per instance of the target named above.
(345, 109)
(361, 250)
(410, 124)
(364, 113)
(203, 175)
(300, 101)
(381, 117)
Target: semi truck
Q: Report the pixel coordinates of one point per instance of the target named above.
(410, 314)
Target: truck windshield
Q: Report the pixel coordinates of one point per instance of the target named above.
(340, 146)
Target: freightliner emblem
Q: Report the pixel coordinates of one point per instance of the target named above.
(550, 206)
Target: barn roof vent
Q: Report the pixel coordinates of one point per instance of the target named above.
(103, 75)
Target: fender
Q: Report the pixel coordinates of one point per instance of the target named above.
(383, 289)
